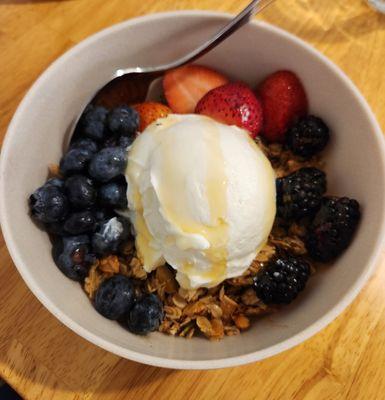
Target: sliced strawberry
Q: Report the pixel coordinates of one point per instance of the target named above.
(233, 104)
(185, 86)
(283, 100)
(149, 112)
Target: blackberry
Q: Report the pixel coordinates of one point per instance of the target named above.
(300, 193)
(281, 280)
(308, 136)
(332, 228)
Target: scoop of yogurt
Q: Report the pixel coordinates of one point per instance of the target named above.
(201, 197)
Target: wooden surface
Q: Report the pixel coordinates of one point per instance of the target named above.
(44, 360)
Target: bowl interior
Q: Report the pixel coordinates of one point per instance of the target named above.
(354, 161)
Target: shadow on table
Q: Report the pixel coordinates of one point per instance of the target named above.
(336, 21)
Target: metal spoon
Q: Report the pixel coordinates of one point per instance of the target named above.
(128, 86)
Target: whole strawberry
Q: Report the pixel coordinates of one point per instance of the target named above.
(233, 104)
(283, 100)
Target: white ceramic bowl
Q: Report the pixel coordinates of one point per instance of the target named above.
(355, 159)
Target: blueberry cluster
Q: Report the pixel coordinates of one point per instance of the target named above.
(330, 222)
(79, 210)
(115, 299)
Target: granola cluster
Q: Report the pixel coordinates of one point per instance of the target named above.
(226, 309)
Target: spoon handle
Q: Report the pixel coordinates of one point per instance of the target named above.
(241, 19)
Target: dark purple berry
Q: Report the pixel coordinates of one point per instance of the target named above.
(281, 280)
(110, 235)
(48, 204)
(75, 161)
(93, 122)
(80, 222)
(123, 121)
(308, 136)
(333, 228)
(57, 182)
(126, 141)
(85, 144)
(72, 256)
(146, 315)
(108, 164)
(115, 297)
(113, 195)
(81, 191)
(300, 193)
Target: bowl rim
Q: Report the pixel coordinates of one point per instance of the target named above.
(165, 362)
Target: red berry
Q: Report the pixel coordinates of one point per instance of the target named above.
(283, 100)
(233, 104)
(185, 86)
(149, 112)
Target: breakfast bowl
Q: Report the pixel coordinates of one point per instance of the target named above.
(355, 163)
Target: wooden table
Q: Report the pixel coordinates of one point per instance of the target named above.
(42, 359)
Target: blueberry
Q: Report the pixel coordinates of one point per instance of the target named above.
(108, 163)
(72, 256)
(56, 228)
(146, 315)
(113, 195)
(120, 141)
(81, 191)
(103, 214)
(115, 297)
(75, 161)
(57, 182)
(93, 122)
(110, 235)
(80, 222)
(111, 141)
(86, 144)
(48, 204)
(123, 120)
(126, 141)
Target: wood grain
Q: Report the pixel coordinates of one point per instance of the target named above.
(44, 360)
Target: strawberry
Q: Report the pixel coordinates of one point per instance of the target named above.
(149, 112)
(283, 100)
(233, 104)
(185, 86)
